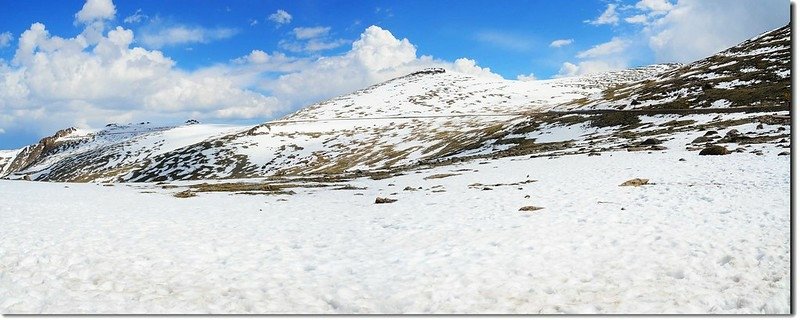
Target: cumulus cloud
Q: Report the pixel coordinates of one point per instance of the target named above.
(280, 17)
(609, 16)
(94, 10)
(158, 37)
(5, 39)
(376, 56)
(53, 82)
(561, 43)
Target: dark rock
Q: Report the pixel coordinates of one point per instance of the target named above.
(714, 150)
(530, 208)
(380, 200)
(760, 126)
(784, 153)
(651, 142)
(702, 139)
(681, 159)
(710, 133)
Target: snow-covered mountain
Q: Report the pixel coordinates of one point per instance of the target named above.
(431, 116)
(756, 72)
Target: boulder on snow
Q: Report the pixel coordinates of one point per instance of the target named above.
(380, 200)
(636, 182)
(702, 139)
(651, 142)
(530, 208)
(714, 150)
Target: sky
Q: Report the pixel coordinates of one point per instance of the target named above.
(89, 63)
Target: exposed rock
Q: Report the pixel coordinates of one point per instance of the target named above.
(784, 153)
(681, 159)
(185, 194)
(530, 208)
(714, 150)
(651, 142)
(409, 189)
(760, 126)
(733, 133)
(636, 182)
(380, 200)
(658, 148)
(702, 139)
(710, 133)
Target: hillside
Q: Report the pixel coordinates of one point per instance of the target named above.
(436, 116)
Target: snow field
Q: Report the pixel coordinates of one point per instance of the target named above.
(710, 235)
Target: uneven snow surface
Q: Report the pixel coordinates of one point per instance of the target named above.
(711, 234)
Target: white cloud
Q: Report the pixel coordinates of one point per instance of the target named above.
(310, 33)
(694, 29)
(588, 67)
(55, 82)
(615, 46)
(280, 17)
(639, 18)
(560, 43)
(526, 77)
(136, 17)
(311, 39)
(376, 56)
(5, 39)
(158, 37)
(253, 22)
(609, 16)
(94, 10)
(654, 5)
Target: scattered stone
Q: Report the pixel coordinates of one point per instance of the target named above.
(409, 189)
(633, 149)
(651, 142)
(527, 197)
(739, 150)
(380, 200)
(702, 139)
(658, 148)
(27, 177)
(440, 176)
(760, 126)
(710, 133)
(784, 153)
(781, 129)
(391, 185)
(636, 182)
(714, 150)
(594, 154)
(681, 159)
(486, 189)
(733, 133)
(185, 194)
(530, 208)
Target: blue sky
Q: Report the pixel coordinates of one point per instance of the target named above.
(87, 63)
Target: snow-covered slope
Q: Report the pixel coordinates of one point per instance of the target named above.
(430, 116)
(754, 73)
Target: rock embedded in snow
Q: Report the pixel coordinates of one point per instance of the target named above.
(715, 150)
(380, 200)
(636, 182)
(530, 208)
